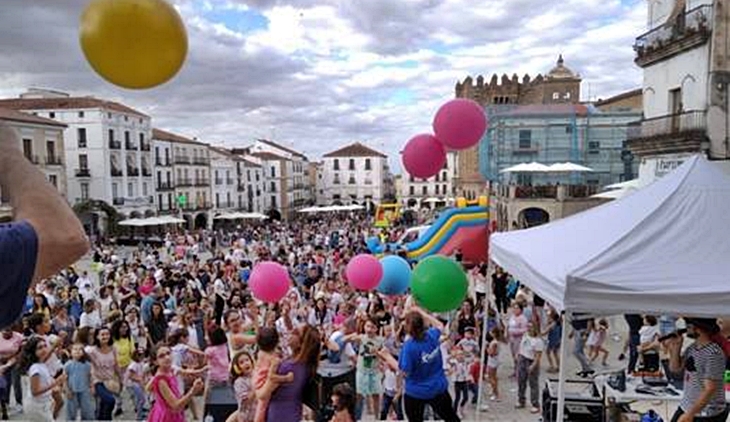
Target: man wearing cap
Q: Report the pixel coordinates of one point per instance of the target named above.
(45, 235)
(703, 363)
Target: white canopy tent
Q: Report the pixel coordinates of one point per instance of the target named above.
(568, 167)
(151, 221)
(533, 167)
(629, 184)
(614, 193)
(661, 250)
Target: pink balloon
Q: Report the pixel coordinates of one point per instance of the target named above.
(460, 124)
(269, 281)
(424, 156)
(364, 272)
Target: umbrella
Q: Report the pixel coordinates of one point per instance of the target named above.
(533, 167)
(253, 216)
(310, 209)
(631, 184)
(568, 167)
(166, 219)
(133, 222)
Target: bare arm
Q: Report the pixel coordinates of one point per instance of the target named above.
(61, 238)
(173, 402)
(708, 390)
(36, 389)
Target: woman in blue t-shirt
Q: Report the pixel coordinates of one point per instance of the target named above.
(421, 363)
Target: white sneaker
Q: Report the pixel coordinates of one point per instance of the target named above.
(484, 408)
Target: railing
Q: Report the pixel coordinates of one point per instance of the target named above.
(184, 183)
(182, 159)
(116, 172)
(688, 29)
(201, 161)
(146, 172)
(165, 186)
(241, 188)
(146, 146)
(83, 172)
(226, 205)
(163, 163)
(558, 192)
(129, 144)
(115, 144)
(54, 160)
(140, 200)
(218, 182)
(229, 181)
(671, 124)
(118, 201)
(132, 171)
(202, 182)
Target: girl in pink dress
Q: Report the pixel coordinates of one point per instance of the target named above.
(169, 403)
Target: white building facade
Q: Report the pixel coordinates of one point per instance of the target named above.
(415, 192)
(354, 174)
(684, 57)
(107, 149)
(292, 175)
(251, 184)
(224, 182)
(164, 177)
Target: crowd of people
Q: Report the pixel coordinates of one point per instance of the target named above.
(161, 328)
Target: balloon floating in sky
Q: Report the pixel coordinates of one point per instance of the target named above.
(134, 44)
(439, 284)
(364, 272)
(460, 124)
(396, 275)
(424, 156)
(269, 281)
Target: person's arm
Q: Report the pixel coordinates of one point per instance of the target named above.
(192, 371)
(60, 236)
(36, 389)
(430, 319)
(388, 359)
(241, 340)
(674, 349)
(173, 402)
(715, 364)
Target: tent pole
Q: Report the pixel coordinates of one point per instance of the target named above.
(485, 318)
(563, 365)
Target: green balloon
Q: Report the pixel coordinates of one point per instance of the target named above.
(439, 284)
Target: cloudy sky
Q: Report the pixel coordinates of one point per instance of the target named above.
(318, 74)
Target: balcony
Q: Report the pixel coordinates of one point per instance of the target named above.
(115, 144)
(555, 192)
(132, 171)
(184, 183)
(688, 30)
(202, 182)
(84, 172)
(135, 201)
(162, 163)
(146, 172)
(33, 159)
(118, 201)
(116, 172)
(182, 159)
(130, 145)
(242, 188)
(673, 133)
(229, 182)
(201, 161)
(165, 186)
(218, 182)
(226, 205)
(54, 160)
(146, 146)
(526, 149)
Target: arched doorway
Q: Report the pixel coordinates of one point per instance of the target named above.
(201, 221)
(412, 202)
(531, 217)
(274, 214)
(98, 217)
(135, 214)
(149, 213)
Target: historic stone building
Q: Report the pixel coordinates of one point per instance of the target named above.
(560, 86)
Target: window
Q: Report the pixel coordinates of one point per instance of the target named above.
(51, 151)
(525, 139)
(352, 164)
(52, 115)
(594, 147)
(141, 138)
(81, 114)
(144, 189)
(248, 175)
(568, 129)
(108, 115)
(351, 180)
(28, 148)
(53, 179)
(438, 188)
(126, 136)
(273, 201)
(444, 177)
(81, 135)
(412, 190)
(273, 171)
(273, 187)
(446, 164)
(556, 95)
(424, 190)
(336, 180)
(217, 200)
(257, 176)
(84, 191)
(126, 118)
(130, 190)
(115, 190)
(83, 161)
(567, 95)
(437, 177)
(444, 189)
(336, 164)
(368, 165)
(111, 135)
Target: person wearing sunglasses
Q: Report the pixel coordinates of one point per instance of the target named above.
(703, 363)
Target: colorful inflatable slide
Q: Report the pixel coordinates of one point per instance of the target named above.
(465, 228)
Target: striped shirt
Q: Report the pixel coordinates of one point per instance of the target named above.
(704, 363)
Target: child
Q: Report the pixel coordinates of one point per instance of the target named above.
(78, 387)
(241, 371)
(460, 374)
(217, 357)
(596, 340)
(469, 344)
(554, 332)
(343, 400)
(39, 407)
(392, 394)
(493, 362)
(180, 349)
(169, 403)
(368, 383)
(649, 344)
(265, 378)
(134, 380)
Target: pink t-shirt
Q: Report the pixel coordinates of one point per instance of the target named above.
(218, 362)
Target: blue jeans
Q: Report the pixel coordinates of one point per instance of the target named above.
(474, 388)
(104, 402)
(634, 341)
(578, 351)
(140, 400)
(391, 402)
(81, 401)
(461, 391)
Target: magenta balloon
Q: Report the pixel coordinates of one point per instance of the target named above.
(460, 124)
(269, 282)
(424, 156)
(364, 272)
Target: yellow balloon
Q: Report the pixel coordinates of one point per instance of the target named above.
(135, 44)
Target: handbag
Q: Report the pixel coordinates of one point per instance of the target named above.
(113, 386)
